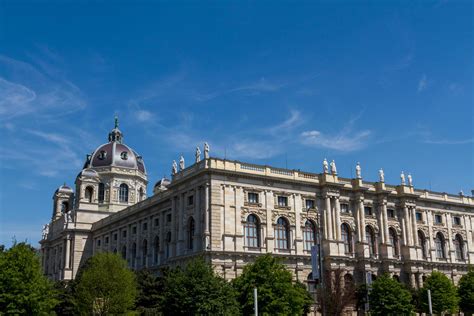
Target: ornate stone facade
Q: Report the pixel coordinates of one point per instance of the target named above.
(231, 212)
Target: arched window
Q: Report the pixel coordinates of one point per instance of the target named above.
(346, 238)
(282, 232)
(370, 238)
(422, 243)
(88, 194)
(156, 246)
(459, 247)
(134, 255)
(394, 241)
(348, 281)
(64, 207)
(123, 193)
(191, 233)
(101, 193)
(311, 283)
(141, 195)
(252, 231)
(309, 235)
(124, 252)
(440, 245)
(168, 244)
(144, 253)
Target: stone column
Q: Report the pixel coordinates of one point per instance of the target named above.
(338, 219)
(413, 222)
(384, 222)
(269, 204)
(67, 252)
(180, 210)
(207, 239)
(330, 233)
(362, 220)
(406, 216)
(197, 219)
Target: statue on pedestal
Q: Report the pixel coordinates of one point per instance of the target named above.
(333, 168)
(358, 171)
(181, 163)
(45, 232)
(325, 166)
(402, 178)
(410, 180)
(206, 150)
(381, 175)
(174, 168)
(198, 154)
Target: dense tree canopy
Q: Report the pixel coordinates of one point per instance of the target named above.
(23, 288)
(105, 286)
(277, 294)
(444, 296)
(197, 290)
(149, 297)
(389, 297)
(466, 293)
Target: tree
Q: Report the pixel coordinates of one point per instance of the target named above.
(277, 294)
(466, 293)
(197, 290)
(149, 290)
(336, 293)
(105, 285)
(443, 294)
(23, 287)
(389, 297)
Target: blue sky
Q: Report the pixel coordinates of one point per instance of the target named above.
(389, 84)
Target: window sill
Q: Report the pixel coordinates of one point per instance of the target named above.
(251, 204)
(280, 207)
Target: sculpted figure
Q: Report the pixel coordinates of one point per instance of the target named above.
(174, 168)
(410, 180)
(325, 166)
(333, 167)
(381, 175)
(181, 163)
(358, 171)
(206, 150)
(402, 178)
(198, 154)
(45, 231)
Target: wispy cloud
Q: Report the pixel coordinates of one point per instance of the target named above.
(341, 141)
(143, 115)
(422, 83)
(449, 141)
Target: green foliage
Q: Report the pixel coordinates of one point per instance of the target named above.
(466, 293)
(105, 286)
(389, 297)
(23, 288)
(149, 290)
(197, 290)
(444, 296)
(277, 294)
(67, 303)
(336, 293)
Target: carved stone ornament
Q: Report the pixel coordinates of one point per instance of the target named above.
(397, 228)
(351, 224)
(288, 215)
(261, 214)
(374, 225)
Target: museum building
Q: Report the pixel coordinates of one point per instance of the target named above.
(230, 212)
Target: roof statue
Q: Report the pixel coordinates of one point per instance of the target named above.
(325, 166)
(198, 154)
(206, 150)
(333, 167)
(45, 232)
(402, 178)
(381, 175)
(181, 163)
(174, 168)
(410, 180)
(358, 171)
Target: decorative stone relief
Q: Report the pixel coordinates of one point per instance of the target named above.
(261, 213)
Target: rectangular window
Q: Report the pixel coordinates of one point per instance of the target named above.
(345, 208)
(157, 222)
(391, 213)
(282, 201)
(145, 226)
(438, 219)
(457, 220)
(309, 204)
(115, 236)
(134, 229)
(107, 239)
(253, 197)
(368, 211)
(98, 242)
(124, 233)
(168, 218)
(191, 200)
(419, 217)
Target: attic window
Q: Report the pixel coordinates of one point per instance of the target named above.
(124, 155)
(102, 154)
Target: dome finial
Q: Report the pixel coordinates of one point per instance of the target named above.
(116, 121)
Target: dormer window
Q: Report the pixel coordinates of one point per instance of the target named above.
(124, 155)
(102, 155)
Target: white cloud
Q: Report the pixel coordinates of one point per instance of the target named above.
(422, 83)
(342, 141)
(450, 141)
(143, 115)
